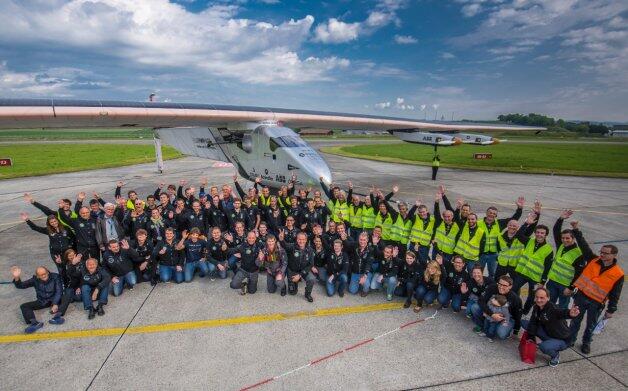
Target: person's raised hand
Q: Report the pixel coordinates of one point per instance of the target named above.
(531, 218)
(395, 189)
(81, 196)
(520, 202)
(119, 184)
(28, 198)
(124, 244)
(574, 224)
(566, 214)
(537, 207)
(16, 272)
(441, 189)
(24, 216)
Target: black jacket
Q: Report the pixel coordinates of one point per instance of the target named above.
(389, 267)
(412, 273)
(552, 319)
(337, 264)
(58, 241)
(172, 256)
(99, 279)
(249, 261)
(120, 263)
(47, 292)
(514, 304)
(452, 279)
(215, 254)
(300, 261)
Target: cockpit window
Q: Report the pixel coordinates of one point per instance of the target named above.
(286, 142)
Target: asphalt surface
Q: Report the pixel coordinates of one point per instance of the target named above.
(161, 338)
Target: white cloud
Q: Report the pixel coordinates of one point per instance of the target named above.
(446, 90)
(447, 56)
(59, 81)
(405, 39)
(336, 31)
(399, 104)
(163, 34)
(382, 105)
(471, 10)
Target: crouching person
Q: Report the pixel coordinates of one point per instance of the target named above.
(513, 301)
(274, 259)
(95, 288)
(118, 260)
(248, 273)
(337, 267)
(548, 325)
(48, 291)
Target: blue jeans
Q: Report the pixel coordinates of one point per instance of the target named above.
(476, 314)
(470, 304)
(190, 268)
(550, 346)
(374, 267)
(519, 282)
(490, 327)
(86, 295)
(389, 282)
(556, 294)
(321, 276)
(503, 330)
(471, 265)
(341, 279)
(423, 253)
(354, 284)
(445, 296)
(129, 279)
(593, 309)
(233, 263)
(423, 295)
(166, 273)
(490, 261)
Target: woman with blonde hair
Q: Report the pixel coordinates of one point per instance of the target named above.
(427, 291)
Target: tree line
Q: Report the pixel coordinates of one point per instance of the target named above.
(555, 125)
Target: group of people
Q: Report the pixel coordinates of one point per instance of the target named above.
(341, 240)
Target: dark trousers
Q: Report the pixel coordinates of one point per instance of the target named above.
(434, 171)
(28, 310)
(593, 309)
(503, 270)
(69, 296)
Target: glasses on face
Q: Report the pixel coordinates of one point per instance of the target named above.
(503, 285)
(605, 253)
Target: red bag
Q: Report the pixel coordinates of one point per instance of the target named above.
(527, 349)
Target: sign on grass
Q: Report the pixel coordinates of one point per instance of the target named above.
(482, 156)
(6, 162)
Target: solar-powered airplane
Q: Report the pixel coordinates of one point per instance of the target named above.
(259, 141)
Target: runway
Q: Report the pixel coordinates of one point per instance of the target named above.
(161, 338)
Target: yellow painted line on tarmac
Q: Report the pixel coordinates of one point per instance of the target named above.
(200, 324)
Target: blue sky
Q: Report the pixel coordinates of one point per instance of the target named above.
(469, 59)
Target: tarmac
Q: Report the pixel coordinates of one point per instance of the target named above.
(203, 335)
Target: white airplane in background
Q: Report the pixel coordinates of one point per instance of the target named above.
(258, 141)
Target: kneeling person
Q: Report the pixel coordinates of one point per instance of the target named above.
(273, 258)
(95, 288)
(119, 263)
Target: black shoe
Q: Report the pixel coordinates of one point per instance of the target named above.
(585, 348)
(407, 304)
(154, 282)
(91, 314)
(309, 297)
(363, 294)
(283, 291)
(341, 294)
(243, 289)
(101, 310)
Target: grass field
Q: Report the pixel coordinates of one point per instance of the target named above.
(44, 159)
(607, 160)
(74, 134)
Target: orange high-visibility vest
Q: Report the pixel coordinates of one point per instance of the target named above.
(596, 285)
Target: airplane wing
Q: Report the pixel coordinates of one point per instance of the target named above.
(56, 113)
